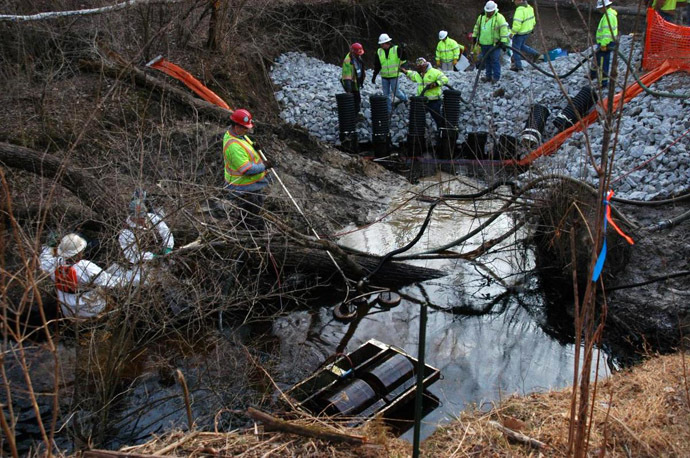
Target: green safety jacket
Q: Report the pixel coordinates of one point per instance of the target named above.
(432, 75)
(669, 5)
(349, 73)
(523, 20)
(448, 50)
(240, 156)
(390, 64)
(490, 31)
(607, 32)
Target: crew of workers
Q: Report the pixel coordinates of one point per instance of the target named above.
(79, 282)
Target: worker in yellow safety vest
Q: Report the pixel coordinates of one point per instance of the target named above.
(353, 74)
(245, 170)
(524, 21)
(606, 37)
(430, 82)
(665, 8)
(447, 52)
(388, 62)
(491, 30)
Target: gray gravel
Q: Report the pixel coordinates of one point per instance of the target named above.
(307, 88)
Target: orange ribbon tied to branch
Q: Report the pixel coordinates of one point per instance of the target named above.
(599, 266)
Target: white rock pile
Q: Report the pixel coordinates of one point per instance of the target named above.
(649, 123)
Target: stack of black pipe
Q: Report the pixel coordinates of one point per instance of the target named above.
(380, 126)
(451, 114)
(417, 126)
(347, 121)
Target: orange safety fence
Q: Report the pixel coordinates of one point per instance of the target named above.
(667, 50)
(192, 83)
(665, 41)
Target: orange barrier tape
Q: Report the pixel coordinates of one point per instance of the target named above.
(192, 83)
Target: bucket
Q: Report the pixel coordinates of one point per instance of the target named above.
(462, 64)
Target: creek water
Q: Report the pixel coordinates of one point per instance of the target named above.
(489, 326)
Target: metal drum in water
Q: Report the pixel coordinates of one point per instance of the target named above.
(353, 398)
(389, 374)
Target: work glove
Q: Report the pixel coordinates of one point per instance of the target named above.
(504, 46)
(268, 164)
(603, 48)
(438, 63)
(256, 146)
(455, 62)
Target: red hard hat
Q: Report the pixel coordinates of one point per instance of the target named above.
(357, 49)
(242, 117)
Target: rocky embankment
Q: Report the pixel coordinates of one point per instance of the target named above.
(649, 163)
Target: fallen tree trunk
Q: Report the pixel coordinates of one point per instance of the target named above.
(84, 186)
(276, 424)
(394, 274)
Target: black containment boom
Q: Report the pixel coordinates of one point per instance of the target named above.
(534, 127)
(578, 107)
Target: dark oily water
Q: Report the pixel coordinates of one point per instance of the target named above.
(488, 328)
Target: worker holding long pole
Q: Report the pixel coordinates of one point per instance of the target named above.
(245, 169)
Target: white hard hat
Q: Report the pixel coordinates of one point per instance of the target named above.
(603, 3)
(71, 245)
(384, 38)
(442, 35)
(490, 6)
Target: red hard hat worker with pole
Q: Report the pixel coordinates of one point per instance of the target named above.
(245, 170)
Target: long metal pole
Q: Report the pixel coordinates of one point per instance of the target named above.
(419, 395)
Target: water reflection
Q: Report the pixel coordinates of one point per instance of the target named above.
(485, 319)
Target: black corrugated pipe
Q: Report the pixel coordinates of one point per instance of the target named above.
(506, 147)
(347, 121)
(473, 147)
(581, 104)
(451, 107)
(449, 133)
(380, 126)
(417, 126)
(534, 127)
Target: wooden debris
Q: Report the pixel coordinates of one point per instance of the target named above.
(534, 443)
(275, 424)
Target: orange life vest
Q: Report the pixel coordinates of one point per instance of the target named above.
(66, 279)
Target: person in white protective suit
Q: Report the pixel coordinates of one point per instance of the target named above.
(146, 235)
(79, 282)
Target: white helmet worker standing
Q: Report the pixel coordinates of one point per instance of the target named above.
(388, 62)
(447, 51)
(491, 32)
(77, 280)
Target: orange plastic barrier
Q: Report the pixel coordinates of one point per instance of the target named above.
(192, 83)
(665, 41)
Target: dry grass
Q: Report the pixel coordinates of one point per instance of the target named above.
(642, 412)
